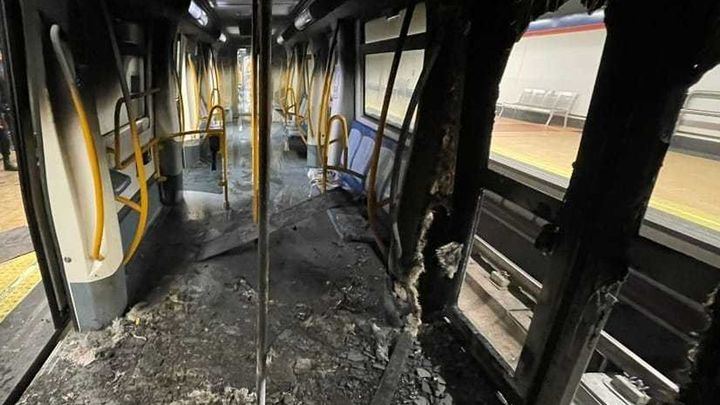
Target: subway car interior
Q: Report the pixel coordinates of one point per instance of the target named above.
(360, 202)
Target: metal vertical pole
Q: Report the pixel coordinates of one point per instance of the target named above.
(262, 10)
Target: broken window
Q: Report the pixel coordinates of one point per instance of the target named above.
(498, 295)
(686, 192)
(544, 97)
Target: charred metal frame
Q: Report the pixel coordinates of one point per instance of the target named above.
(262, 11)
(592, 235)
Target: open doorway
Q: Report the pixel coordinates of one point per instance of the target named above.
(33, 311)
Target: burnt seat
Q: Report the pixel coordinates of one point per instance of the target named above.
(360, 150)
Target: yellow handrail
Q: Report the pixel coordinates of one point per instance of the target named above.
(255, 133)
(135, 136)
(324, 123)
(222, 135)
(372, 199)
(130, 203)
(117, 151)
(345, 136)
(212, 94)
(144, 196)
(89, 141)
(345, 140)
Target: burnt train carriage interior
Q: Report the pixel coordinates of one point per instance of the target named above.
(349, 202)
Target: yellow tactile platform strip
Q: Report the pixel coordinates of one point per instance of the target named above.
(17, 278)
(688, 187)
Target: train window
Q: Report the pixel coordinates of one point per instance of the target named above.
(377, 70)
(686, 194)
(377, 52)
(244, 81)
(544, 97)
(135, 71)
(384, 28)
(498, 294)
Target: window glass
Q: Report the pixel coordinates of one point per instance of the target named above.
(384, 28)
(377, 71)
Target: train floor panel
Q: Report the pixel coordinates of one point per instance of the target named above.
(189, 338)
(687, 186)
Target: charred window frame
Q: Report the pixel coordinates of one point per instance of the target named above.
(414, 42)
(577, 294)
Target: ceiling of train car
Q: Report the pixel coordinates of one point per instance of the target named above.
(234, 17)
(233, 9)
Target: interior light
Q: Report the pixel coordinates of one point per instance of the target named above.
(198, 13)
(222, 37)
(233, 30)
(303, 19)
(280, 40)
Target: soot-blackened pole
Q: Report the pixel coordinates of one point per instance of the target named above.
(262, 10)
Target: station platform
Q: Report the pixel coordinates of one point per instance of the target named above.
(688, 187)
(18, 266)
(25, 319)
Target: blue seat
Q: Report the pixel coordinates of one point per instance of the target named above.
(360, 149)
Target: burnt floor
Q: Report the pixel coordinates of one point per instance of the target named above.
(189, 337)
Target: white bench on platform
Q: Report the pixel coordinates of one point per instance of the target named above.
(551, 102)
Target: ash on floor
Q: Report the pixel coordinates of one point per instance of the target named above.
(440, 371)
(192, 339)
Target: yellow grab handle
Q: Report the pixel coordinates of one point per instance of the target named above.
(87, 138)
(326, 145)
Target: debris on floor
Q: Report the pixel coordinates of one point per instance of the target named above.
(191, 339)
(440, 372)
(189, 336)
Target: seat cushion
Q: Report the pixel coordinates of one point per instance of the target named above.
(360, 150)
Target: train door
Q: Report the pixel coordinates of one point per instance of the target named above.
(34, 309)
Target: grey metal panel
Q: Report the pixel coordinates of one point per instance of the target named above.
(99, 302)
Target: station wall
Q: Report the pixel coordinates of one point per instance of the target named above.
(565, 61)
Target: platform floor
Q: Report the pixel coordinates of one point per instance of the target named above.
(12, 214)
(688, 186)
(25, 321)
(18, 266)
